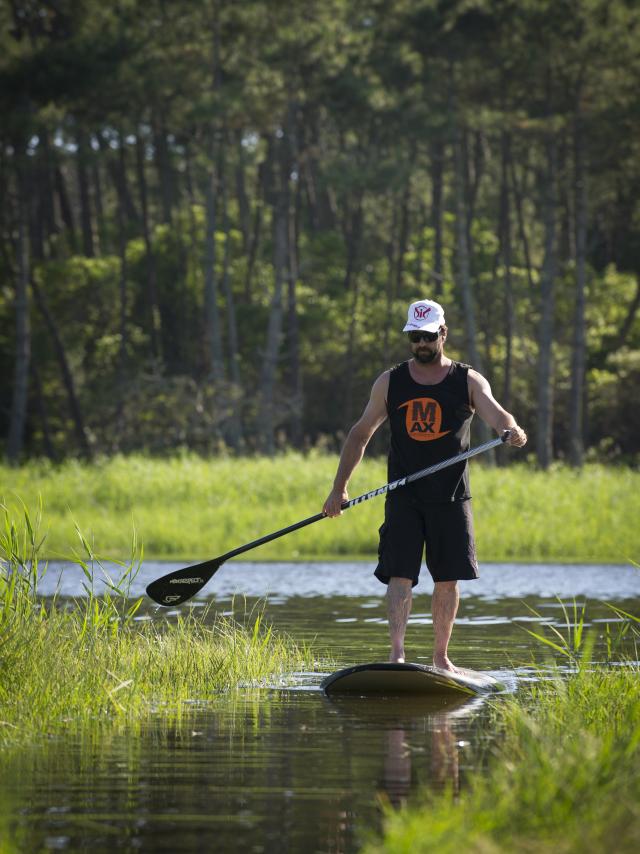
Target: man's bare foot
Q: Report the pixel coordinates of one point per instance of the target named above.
(445, 664)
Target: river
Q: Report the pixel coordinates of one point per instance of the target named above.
(285, 769)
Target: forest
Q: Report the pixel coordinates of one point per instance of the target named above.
(215, 214)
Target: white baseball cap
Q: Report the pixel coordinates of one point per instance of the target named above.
(425, 316)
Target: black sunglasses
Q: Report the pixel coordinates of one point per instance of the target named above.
(416, 337)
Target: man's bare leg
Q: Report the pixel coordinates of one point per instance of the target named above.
(398, 609)
(444, 607)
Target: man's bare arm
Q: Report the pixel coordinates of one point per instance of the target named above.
(491, 412)
(374, 415)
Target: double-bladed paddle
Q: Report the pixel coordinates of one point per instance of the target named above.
(178, 586)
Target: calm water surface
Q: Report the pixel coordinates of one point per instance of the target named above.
(284, 769)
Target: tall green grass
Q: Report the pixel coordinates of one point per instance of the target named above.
(189, 508)
(564, 778)
(94, 661)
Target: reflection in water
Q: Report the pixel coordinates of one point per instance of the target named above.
(257, 771)
(401, 723)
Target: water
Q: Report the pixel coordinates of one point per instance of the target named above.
(286, 769)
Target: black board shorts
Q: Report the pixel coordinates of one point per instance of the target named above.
(446, 529)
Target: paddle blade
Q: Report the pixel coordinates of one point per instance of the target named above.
(180, 585)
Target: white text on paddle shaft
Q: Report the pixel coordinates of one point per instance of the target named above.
(381, 491)
(187, 581)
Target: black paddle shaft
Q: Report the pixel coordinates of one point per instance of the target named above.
(180, 585)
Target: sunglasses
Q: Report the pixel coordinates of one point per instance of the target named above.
(416, 337)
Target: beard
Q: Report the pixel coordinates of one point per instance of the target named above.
(425, 357)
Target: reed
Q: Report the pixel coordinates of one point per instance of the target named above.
(564, 778)
(188, 508)
(66, 664)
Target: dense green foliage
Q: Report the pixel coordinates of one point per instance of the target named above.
(92, 662)
(188, 508)
(214, 215)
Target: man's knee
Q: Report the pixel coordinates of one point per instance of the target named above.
(445, 586)
(404, 584)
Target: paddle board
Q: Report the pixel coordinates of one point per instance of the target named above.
(388, 679)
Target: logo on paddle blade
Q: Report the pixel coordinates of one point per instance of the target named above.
(423, 419)
(169, 599)
(187, 581)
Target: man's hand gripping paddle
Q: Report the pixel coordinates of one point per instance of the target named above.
(176, 587)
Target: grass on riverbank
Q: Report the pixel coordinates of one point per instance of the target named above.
(189, 508)
(564, 779)
(92, 662)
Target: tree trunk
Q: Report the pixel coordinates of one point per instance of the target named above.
(578, 361)
(235, 435)
(544, 439)
(100, 217)
(522, 231)
(151, 270)
(353, 286)
(215, 360)
(85, 199)
(463, 271)
(65, 369)
(352, 234)
(473, 177)
(437, 183)
(293, 330)
(244, 210)
(463, 266)
(403, 236)
(47, 190)
(256, 230)
(123, 354)
(118, 171)
(274, 331)
(163, 166)
(505, 254)
(43, 415)
(390, 282)
(422, 222)
(65, 208)
(18, 418)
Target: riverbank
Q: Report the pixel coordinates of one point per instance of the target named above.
(188, 508)
(94, 662)
(565, 778)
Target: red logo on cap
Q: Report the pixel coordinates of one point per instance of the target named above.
(421, 311)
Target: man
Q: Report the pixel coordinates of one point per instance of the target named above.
(429, 401)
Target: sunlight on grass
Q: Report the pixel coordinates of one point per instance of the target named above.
(92, 660)
(189, 508)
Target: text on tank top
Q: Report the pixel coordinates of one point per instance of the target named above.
(430, 423)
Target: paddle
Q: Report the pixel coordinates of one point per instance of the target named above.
(180, 585)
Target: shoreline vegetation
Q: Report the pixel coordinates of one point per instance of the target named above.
(564, 775)
(96, 662)
(189, 508)
(564, 778)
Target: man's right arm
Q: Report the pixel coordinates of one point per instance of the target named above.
(374, 415)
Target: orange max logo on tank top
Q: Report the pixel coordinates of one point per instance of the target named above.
(423, 419)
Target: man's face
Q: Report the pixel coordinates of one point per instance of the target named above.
(426, 347)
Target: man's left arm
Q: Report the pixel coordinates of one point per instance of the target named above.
(488, 408)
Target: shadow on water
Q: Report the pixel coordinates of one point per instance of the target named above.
(286, 768)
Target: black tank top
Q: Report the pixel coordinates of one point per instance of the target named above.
(430, 423)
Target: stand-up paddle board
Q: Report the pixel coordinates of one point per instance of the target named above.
(388, 679)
